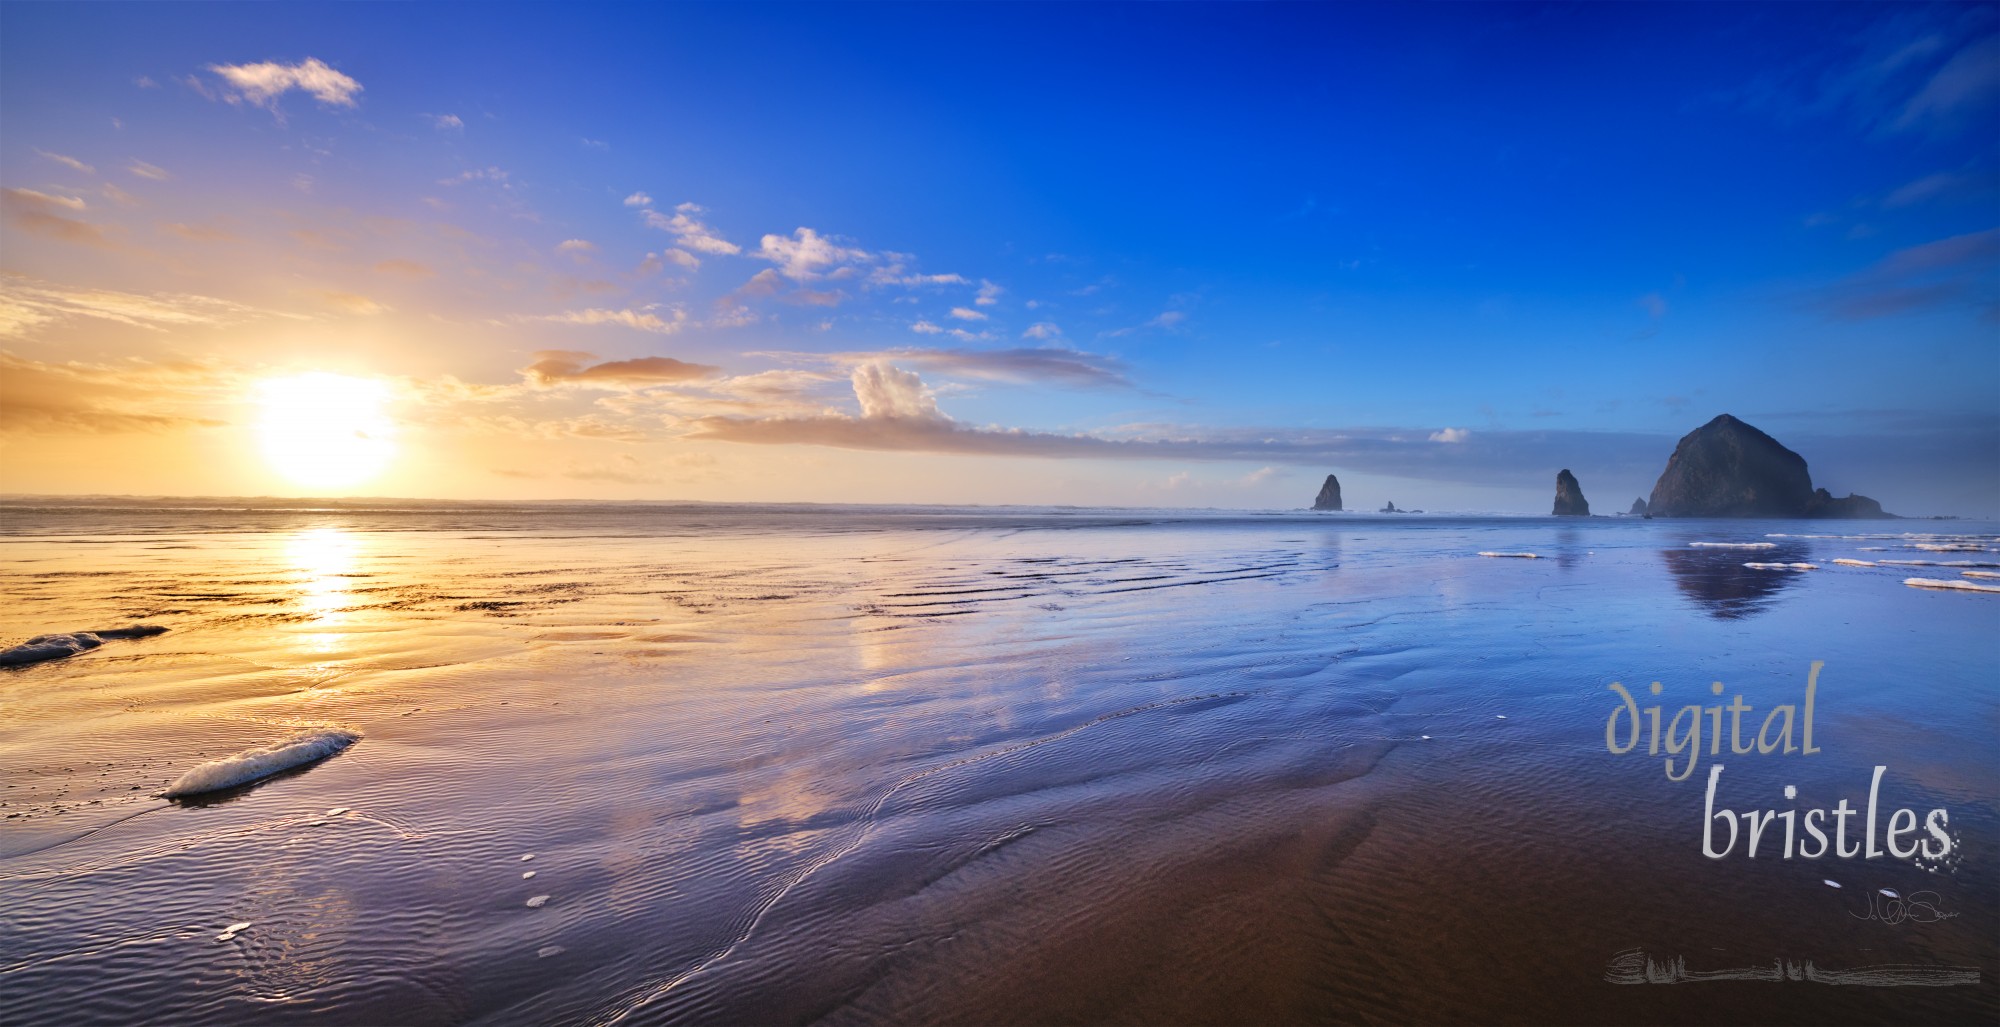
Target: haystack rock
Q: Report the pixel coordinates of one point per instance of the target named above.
(1329, 495)
(1569, 496)
(1727, 468)
(1638, 507)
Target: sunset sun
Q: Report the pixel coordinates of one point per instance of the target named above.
(323, 430)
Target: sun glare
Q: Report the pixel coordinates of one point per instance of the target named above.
(325, 430)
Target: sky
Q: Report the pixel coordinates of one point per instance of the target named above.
(1159, 255)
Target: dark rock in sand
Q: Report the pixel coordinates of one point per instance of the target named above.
(55, 647)
(1638, 507)
(1329, 495)
(1726, 468)
(1569, 496)
(1824, 505)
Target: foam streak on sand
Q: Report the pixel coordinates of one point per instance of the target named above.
(56, 647)
(1782, 566)
(294, 750)
(1845, 562)
(1962, 586)
(1980, 574)
(1734, 545)
(1524, 556)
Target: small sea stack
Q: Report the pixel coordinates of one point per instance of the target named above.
(1638, 508)
(1569, 496)
(1329, 495)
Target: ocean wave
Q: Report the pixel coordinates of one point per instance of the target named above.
(294, 750)
(1845, 562)
(1939, 563)
(1980, 574)
(1782, 566)
(1523, 556)
(1962, 586)
(1734, 545)
(56, 647)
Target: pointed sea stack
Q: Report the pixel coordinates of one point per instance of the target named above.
(1726, 468)
(1638, 508)
(1391, 508)
(1329, 495)
(1569, 496)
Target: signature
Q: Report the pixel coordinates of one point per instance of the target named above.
(1892, 909)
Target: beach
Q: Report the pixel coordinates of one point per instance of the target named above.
(764, 764)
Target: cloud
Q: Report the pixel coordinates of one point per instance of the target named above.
(578, 249)
(1041, 330)
(1936, 186)
(1939, 273)
(1654, 304)
(644, 319)
(118, 196)
(593, 144)
(762, 285)
(349, 302)
(92, 399)
(145, 170)
(682, 258)
(925, 328)
(43, 214)
(1050, 365)
(263, 83)
(198, 233)
(563, 367)
(69, 162)
(688, 230)
(487, 174)
(989, 293)
(1166, 320)
(967, 314)
(1450, 435)
(25, 304)
(890, 393)
(445, 122)
(410, 269)
(802, 256)
(1967, 84)
(638, 199)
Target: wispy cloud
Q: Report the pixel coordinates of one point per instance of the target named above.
(488, 174)
(69, 162)
(145, 170)
(445, 122)
(263, 83)
(72, 398)
(571, 367)
(645, 319)
(410, 269)
(638, 199)
(989, 293)
(967, 314)
(688, 230)
(26, 304)
(1954, 270)
(806, 255)
(47, 215)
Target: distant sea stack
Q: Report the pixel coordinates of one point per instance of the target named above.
(1569, 496)
(1329, 495)
(1391, 508)
(1638, 507)
(1727, 468)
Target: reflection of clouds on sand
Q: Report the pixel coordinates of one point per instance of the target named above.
(1716, 579)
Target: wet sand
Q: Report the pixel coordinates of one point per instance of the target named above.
(962, 766)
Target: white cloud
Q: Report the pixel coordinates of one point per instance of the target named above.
(638, 199)
(888, 392)
(989, 293)
(1041, 330)
(967, 314)
(803, 255)
(576, 246)
(261, 84)
(446, 122)
(925, 328)
(67, 202)
(642, 319)
(69, 162)
(145, 170)
(488, 174)
(25, 303)
(1451, 435)
(689, 231)
(683, 258)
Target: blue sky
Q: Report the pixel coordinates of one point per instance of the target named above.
(1178, 255)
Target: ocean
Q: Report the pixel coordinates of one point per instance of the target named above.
(853, 765)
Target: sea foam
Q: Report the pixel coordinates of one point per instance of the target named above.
(1845, 562)
(294, 750)
(1782, 566)
(1962, 586)
(1734, 545)
(1524, 556)
(55, 647)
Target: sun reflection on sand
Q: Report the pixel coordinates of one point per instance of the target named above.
(326, 558)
